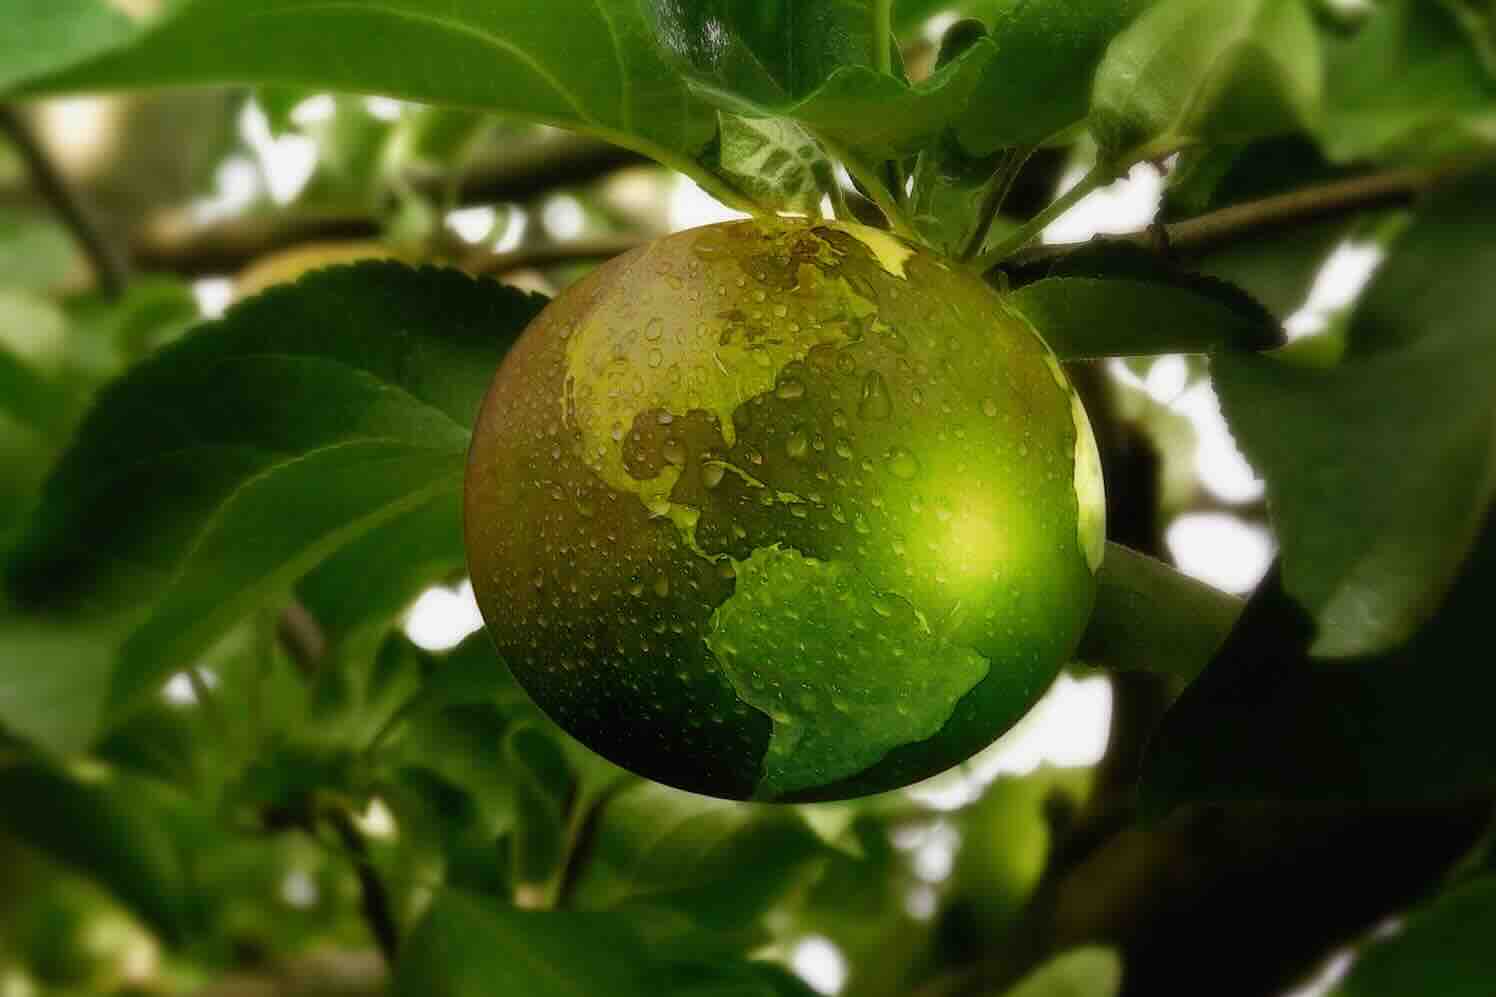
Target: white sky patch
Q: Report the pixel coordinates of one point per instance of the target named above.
(299, 890)
(376, 821)
(692, 207)
(287, 162)
(516, 224)
(1130, 203)
(1340, 281)
(1069, 727)
(817, 961)
(935, 856)
(472, 225)
(921, 902)
(314, 110)
(442, 617)
(384, 108)
(213, 295)
(1220, 466)
(563, 217)
(1221, 550)
(236, 184)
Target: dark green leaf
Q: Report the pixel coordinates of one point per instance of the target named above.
(724, 864)
(1407, 86)
(1150, 617)
(1120, 300)
(1040, 82)
(765, 54)
(814, 63)
(104, 827)
(1087, 972)
(1267, 722)
(43, 36)
(1006, 841)
(1198, 70)
(1443, 948)
(589, 66)
(236, 460)
(464, 947)
(1379, 470)
(1277, 267)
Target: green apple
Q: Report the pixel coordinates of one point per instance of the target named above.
(783, 510)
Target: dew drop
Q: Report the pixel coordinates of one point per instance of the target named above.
(790, 389)
(876, 403)
(797, 445)
(673, 451)
(902, 464)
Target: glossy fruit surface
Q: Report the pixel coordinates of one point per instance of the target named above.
(783, 511)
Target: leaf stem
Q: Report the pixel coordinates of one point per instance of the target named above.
(108, 261)
(875, 186)
(1099, 176)
(998, 187)
(883, 35)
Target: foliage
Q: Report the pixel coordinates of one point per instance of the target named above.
(222, 753)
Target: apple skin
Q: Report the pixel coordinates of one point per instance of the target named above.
(783, 510)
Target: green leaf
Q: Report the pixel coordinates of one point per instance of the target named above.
(1379, 470)
(1084, 972)
(764, 54)
(814, 63)
(588, 65)
(36, 253)
(1443, 948)
(1267, 722)
(1007, 838)
(1040, 82)
(1407, 86)
(1150, 617)
(724, 864)
(106, 828)
(1478, 20)
(43, 36)
(1277, 267)
(1197, 70)
(776, 162)
(56, 698)
(231, 463)
(465, 947)
(1118, 300)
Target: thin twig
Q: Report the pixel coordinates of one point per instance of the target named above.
(109, 263)
(374, 901)
(1099, 176)
(547, 254)
(1241, 221)
(302, 637)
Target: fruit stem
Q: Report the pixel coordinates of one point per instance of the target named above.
(1099, 176)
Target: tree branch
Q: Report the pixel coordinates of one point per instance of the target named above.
(547, 254)
(109, 263)
(1242, 221)
(524, 171)
(373, 899)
